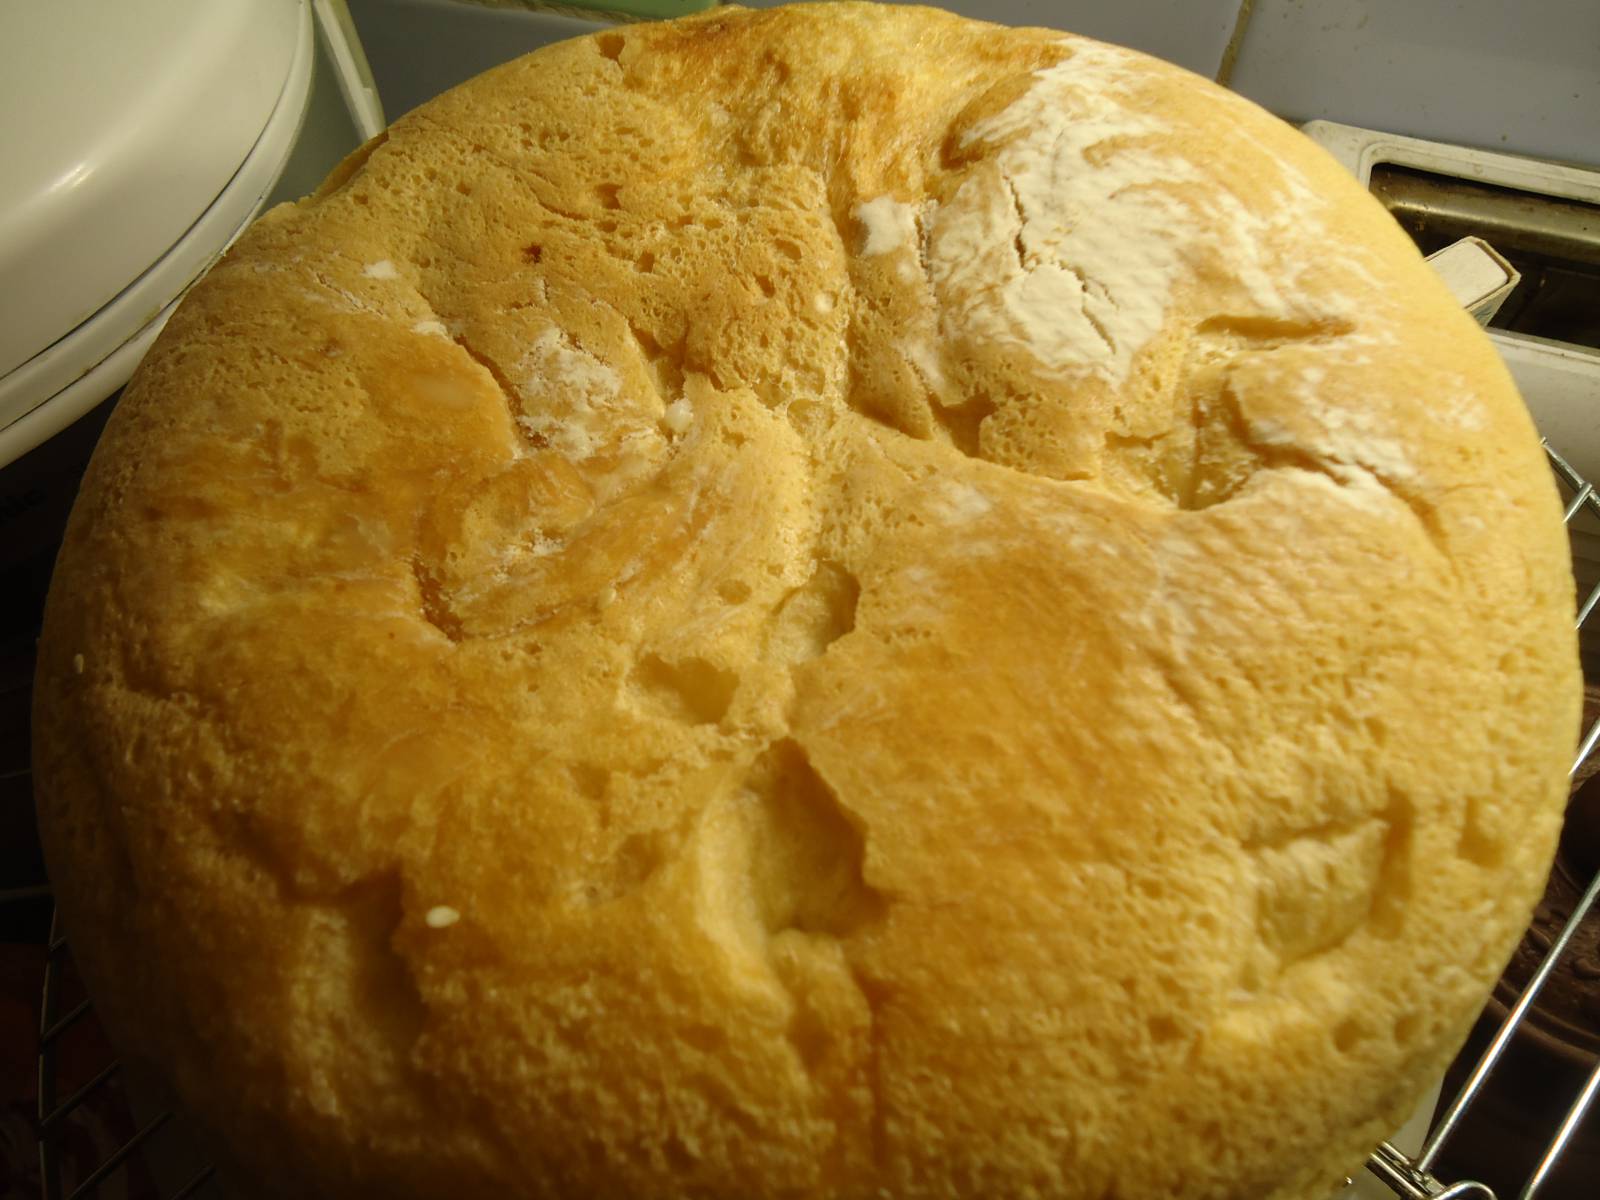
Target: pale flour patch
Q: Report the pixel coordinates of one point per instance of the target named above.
(1072, 240)
(957, 502)
(890, 225)
(570, 396)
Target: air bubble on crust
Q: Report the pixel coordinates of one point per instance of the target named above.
(690, 690)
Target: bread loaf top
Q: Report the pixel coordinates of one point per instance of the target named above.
(827, 602)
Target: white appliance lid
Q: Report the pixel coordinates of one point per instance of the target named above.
(119, 124)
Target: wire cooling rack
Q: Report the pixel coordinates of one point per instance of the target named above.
(62, 1016)
(65, 1010)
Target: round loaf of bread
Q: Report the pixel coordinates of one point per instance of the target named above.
(836, 602)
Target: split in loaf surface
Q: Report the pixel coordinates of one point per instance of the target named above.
(834, 602)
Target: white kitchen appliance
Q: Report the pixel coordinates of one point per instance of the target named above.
(141, 138)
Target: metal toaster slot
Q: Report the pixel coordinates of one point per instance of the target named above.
(1554, 242)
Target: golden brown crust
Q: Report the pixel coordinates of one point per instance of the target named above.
(833, 602)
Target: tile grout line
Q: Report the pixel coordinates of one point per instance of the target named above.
(1230, 53)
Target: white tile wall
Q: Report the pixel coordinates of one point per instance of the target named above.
(1191, 33)
(1519, 75)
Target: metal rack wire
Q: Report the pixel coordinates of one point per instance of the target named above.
(55, 1111)
(1583, 499)
(1407, 1176)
